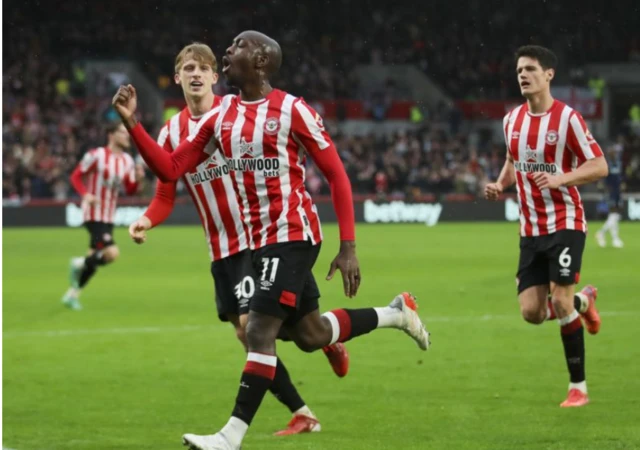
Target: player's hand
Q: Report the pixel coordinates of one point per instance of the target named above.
(492, 191)
(348, 264)
(125, 103)
(89, 200)
(137, 230)
(547, 181)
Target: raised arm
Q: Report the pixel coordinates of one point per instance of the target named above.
(167, 167)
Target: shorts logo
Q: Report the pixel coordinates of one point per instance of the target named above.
(552, 137)
(272, 126)
(243, 303)
(565, 272)
(106, 237)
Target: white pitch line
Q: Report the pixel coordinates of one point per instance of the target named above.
(184, 328)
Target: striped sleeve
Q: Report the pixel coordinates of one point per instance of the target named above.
(308, 127)
(89, 162)
(165, 195)
(580, 141)
(505, 125)
(163, 138)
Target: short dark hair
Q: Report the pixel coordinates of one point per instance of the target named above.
(546, 58)
(112, 127)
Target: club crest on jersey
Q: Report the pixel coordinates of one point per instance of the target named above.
(551, 137)
(272, 125)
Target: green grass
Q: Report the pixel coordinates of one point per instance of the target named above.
(147, 359)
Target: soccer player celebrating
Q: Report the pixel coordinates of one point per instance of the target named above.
(264, 134)
(105, 170)
(211, 190)
(550, 152)
(614, 188)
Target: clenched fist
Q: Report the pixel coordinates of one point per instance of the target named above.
(492, 191)
(137, 230)
(125, 102)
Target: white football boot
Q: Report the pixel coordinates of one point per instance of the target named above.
(411, 323)
(209, 442)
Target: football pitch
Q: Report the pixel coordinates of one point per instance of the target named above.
(147, 359)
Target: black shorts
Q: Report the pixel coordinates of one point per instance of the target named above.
(101, 234)
(555, 257)
(285, 285)
(233, 278)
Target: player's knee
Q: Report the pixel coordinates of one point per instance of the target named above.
(111, 254)
(533, 315)
(260, 338)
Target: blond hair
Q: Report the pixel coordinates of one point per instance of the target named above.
(198, 51)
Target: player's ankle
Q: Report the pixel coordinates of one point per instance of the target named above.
(388, 317)
(304, 411)
(582, 302)
(581, 386)
(234, 431)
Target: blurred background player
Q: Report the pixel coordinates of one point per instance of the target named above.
(98, 179)
(211, 190)
(614, 190)
(545, 140)
(264, 134)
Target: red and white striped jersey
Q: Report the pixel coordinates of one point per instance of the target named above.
(211, 190)
(264, 144)
(106, 172)
(555, 142)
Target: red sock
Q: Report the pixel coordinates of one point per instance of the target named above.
(256, 379)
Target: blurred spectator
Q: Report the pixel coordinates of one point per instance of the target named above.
(49, 122)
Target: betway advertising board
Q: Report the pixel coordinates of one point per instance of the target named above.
(369, 211)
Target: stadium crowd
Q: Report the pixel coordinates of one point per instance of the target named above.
(45, 130)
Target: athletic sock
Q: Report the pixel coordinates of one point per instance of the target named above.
(283, 389)
(91, 264)
(347, 324)
(573, 341)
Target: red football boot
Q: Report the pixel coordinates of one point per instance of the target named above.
(338, 358)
